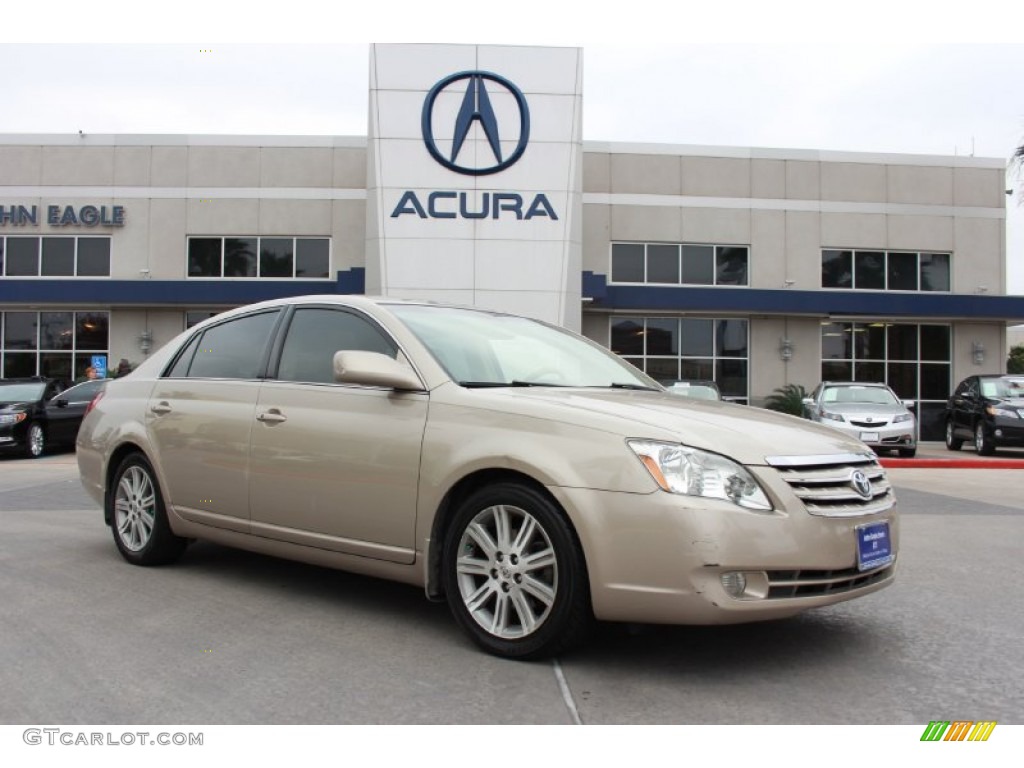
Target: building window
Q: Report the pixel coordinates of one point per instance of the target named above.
(915, 360)
(885, 270)
(679, 264)
(59, 345)
(55, 256)
(194, 317)
(671, 349)
(303, 258)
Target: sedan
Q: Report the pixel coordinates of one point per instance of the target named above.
(526, 475)
(869, 412)
(65, 411)
(23, 422)
(987, 409)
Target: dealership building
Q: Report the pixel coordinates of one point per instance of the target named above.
(754, 267)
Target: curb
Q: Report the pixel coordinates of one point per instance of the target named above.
(950, 463)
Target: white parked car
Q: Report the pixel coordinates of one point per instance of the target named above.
(870, 412)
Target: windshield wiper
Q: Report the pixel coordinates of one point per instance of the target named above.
(513, 383)
(621, 385)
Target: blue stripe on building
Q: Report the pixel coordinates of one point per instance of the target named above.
(677, 298)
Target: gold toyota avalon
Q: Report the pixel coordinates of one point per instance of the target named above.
(524, 474)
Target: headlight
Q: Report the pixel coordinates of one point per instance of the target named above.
(688, 471)
(831, 416)
(903, 417)
(994, 410)
(13, 418)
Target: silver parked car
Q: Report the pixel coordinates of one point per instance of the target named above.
(525, 474)
(870, 412)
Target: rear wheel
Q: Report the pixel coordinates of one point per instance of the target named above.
(514, 574)
(952, 443)
(141, 530)
(982, 442)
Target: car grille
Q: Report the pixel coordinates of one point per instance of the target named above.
(868, 424)
(783, 584)
(825, 484)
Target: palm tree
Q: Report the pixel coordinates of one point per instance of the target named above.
(788, 399)
(1017, 159)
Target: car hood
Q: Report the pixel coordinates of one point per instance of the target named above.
(1013, 402)
(744, 433)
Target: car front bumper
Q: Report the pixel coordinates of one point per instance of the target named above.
(660, 557)
(889, 437)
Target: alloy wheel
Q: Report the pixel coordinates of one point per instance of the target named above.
(135, 508)
(507, 571)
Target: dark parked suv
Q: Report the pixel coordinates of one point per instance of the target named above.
(988, 409)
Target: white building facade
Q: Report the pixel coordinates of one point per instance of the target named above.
(756, 268)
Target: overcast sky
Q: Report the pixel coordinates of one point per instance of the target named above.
(907, 77)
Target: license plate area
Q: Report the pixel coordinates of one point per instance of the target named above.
(874, 546)
(869, 437)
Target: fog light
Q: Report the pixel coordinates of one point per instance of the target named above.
(735, 583)
(999, 433)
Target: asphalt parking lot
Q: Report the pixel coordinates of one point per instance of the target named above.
(228, 637)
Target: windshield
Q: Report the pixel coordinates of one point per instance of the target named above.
(1002, 388)
(873, 395)
(479, 348)
(17, 393)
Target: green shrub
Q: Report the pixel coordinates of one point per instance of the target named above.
(788, 399)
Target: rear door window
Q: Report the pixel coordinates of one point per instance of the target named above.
(235, 349)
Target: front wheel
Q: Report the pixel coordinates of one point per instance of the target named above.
(35, 441)
(982, 442)
(514, 574)
(141, 531)
(952, 443)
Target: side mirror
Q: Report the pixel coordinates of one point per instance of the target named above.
(910, 403)
(372, 369)
(808, 401)
(62, 403)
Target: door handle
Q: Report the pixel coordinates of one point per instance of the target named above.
(161, 408)
(273, 416)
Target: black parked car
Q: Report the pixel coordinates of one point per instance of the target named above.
(35, 413)
(988, 409)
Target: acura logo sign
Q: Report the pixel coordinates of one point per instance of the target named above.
(476, 108)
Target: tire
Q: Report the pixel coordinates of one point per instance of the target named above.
(907, 453)
(982, 442)
(952, 443)
(136, 509)
(35, 441)
(509, 607)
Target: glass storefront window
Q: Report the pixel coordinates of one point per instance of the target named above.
(888, 352)
(54, 256)
(679, 264)
(885, 270)
(671, 349)
(58, 345)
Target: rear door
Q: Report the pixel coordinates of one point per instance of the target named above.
(335, 466)
(200, 416)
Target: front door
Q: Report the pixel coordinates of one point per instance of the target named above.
(333, 465)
